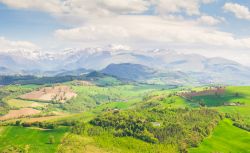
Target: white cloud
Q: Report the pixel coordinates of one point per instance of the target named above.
(190, 7)
(102, 22)
(240, 11)
(80, 10)
(52, 6)
(149, 30)
(7, 45)
(209, 20)
(93, 33)
(124, 7)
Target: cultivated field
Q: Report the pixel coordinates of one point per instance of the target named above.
(19, 103)
(234, 100)
(152, 103)
(55, 94)
(209, 91)
(19, 113)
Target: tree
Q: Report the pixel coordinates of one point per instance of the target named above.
(50, 125)
(51, 139)
(18, 123)
(79, 128)
(236, 94)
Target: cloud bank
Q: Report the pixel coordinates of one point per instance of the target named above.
(8, 45)
(175, 24)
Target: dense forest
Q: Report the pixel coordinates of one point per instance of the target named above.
(184, 127)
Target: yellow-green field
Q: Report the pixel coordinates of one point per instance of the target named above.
(93, 100)
(19, 103)
(35, 140)
(226, 138)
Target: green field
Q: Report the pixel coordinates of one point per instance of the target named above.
(217, 102)
(183, 124)
(92, 96)
(107, 143)
(19, 103)
(34, 139)
(131, 145)
(232, 94)
(226, 138)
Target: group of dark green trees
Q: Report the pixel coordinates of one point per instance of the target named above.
(185, 127)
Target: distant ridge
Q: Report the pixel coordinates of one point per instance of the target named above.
(129, 71)
(131, 65)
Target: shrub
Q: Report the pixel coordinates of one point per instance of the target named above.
(95, 131)
(51, 139)
(78, 128)
(18, 123)
(26, 124)
(14, 149)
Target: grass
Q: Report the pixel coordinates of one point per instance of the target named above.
(76, 143)
(226, 138)
(228, 97)
(131, 145)
(92, 96)
(36, 139)
(19, 103)
(217, 102)
(94, 99)
(175, 102)
(16, 90)
(244, 97)
(107, 143)
(112, 105)
(85, 117)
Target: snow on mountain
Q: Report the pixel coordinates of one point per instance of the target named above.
(42, 63)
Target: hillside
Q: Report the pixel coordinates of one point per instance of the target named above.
(218, 142)
(105, 117)
(124, 76)
(201, 69)
(129, 71)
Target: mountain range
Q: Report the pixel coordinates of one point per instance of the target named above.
(152, 66)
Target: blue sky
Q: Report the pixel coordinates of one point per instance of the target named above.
(232, 24)
(37, 25)
(207, 27)
(29, 25)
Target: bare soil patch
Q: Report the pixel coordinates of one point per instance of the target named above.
(19, 113)
(56, 94)
(210, 91)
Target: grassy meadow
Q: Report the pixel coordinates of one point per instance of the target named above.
(98, 120)
(232, 95)
(226, 138)
(35, 140)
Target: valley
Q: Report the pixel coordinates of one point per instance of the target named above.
(124, 76)
(103, 115)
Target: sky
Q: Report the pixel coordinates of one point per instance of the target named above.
(207, 27)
